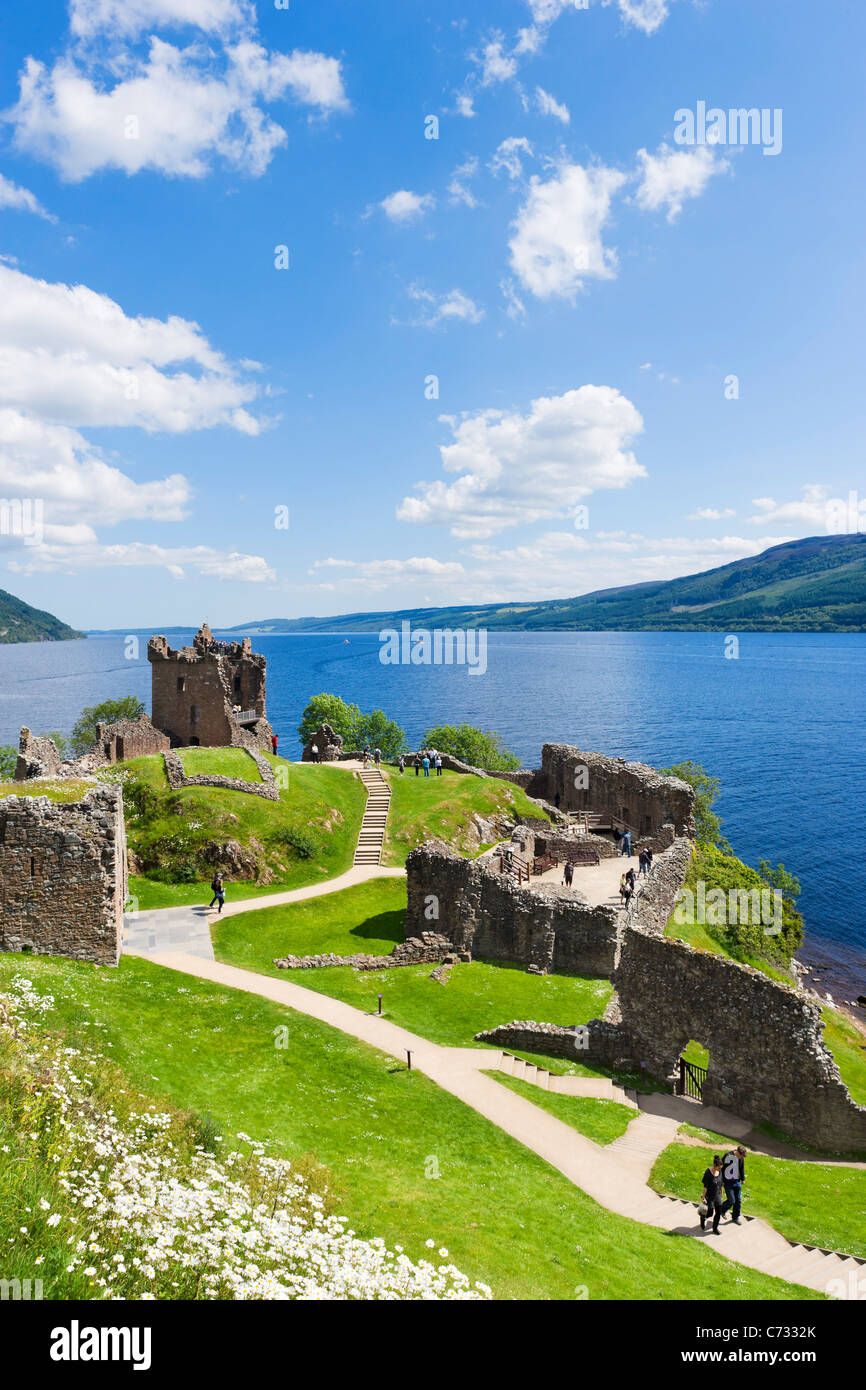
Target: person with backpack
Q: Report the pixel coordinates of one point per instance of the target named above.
(568, 873)
(377, 756)
(219, 892)
(438, 764)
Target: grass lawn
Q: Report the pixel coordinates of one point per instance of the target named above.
(71, 790)
(600, 1120)
(368, 918)
(407, 1161)
(308, 835)
(220, 762)
(848, 1046)
(814, 1203)
(427, 808)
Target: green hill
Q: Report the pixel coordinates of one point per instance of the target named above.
(817, 584)
(21, 623)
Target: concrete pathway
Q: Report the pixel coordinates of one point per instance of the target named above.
(616, 1179)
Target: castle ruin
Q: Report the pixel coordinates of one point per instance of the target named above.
(210, 694)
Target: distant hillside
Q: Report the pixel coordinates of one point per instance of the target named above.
(21, 623)
(812, 585)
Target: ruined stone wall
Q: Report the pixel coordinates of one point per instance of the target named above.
(37, 757)
(768, 1061)
(267, 787)
(329, 744)
(488, 916)
(129, 738)
(633, 792)
(63, 875)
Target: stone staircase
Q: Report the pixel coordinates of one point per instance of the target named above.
(596, 1088)
(372, 833)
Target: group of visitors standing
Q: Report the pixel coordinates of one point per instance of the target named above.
(375, 756)
(422, 762)
(723, 1188)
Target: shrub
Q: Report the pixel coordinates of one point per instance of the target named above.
(475, 746)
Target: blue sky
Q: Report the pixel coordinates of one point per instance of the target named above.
(581, 281)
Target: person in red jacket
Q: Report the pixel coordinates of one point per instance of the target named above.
(274, 743)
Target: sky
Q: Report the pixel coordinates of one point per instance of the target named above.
(314, 307)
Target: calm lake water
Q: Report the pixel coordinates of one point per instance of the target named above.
(782, 726)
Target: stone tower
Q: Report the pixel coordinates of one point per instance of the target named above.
(212, 693)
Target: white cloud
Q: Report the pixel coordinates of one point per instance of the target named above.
(19, 199)
(72, 355)
(811, 510)
(496, 65)
(514, 305)
(522, 468)
(458, 188)
(669, 177)
(507, 158)
(132, 17)
(376, 575)
(455, 306)
(549, 106)
(711, 514)
(405, 206)
(557, 235)
(105, 105)
(647, 15)
(466, 105)
(206, 561)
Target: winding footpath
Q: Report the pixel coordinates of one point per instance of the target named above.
(616, 1176)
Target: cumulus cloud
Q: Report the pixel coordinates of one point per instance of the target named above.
(556, 241)
(203, 559)
(18, 199)
(496, 64)
(669, 177)
(406, 206)
(107, 104)
(70, 354)
(813, 509)
(517, 468)
(455, 306)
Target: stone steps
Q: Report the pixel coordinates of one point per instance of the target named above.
(371, 836)
(594, 1088)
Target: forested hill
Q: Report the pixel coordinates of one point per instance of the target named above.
(813, 585)
(21, 623)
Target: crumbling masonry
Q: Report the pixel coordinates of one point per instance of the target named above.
(196, 690)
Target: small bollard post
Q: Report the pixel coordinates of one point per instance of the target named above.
(409, 1058)
(380, 1004)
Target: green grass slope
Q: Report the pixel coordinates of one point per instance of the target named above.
(427, 808)
(406, 1161)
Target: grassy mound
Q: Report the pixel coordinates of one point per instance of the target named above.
(813, 1203)
(441, 808)
(406, 1161)
(72, 789)
(600, 1120)
(180, 838)
(848, 1045)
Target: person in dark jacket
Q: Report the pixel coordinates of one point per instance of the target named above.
(713, 1198)
(218, 890)
(733, 1177)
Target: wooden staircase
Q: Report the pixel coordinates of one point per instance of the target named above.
(372, 834)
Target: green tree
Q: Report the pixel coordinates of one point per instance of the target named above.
(708, 789)
(8, 760)
(780, 878)
(84, 731)
(379, 731)
(475, 746)
(60, 741)
(330, 709)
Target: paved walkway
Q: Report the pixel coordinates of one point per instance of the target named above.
(614, 1177)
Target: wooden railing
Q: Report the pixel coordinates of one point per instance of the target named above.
(514, 867)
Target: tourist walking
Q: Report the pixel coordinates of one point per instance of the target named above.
(425, 763)
(643, 862)
(625, 890)
(630, 878)
(713, 1200)
(438, 762)
(218, 890)
(617, 837)
(274, 738)
(366, 756)
(416, 763)
(568, 873)
(401, 763)
(649, 859)
(625, 844)
(315, 752)
(377, 756)
(733, 1177)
